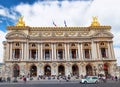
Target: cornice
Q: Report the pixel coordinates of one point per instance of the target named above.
(18, 27)
(57, 28)
(99, 27)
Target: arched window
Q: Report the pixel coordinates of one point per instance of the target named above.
(102, 43)
(73, 44)
(61, 70)
(47, 70)
(16, 70)
(17, 44)
(75, 70)
(86, 44)
(59, 44)
(33, 45)
(33, 70)
(89, 70)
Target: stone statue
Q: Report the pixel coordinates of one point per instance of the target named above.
(95, 21)
(20, 22)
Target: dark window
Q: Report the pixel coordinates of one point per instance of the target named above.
(47, 54)
(60, 54)
(103, 52)
(87, 55)
(17, 53)
(73, 51)
(33, 54)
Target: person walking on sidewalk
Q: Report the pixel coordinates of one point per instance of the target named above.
(116, 78)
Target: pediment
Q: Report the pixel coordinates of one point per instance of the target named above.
(16, 35)
(103, 34)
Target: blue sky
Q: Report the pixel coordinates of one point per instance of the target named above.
(75, 12)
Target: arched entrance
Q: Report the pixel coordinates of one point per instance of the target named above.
(61, 70)
(47, 70)
(106, 69)
(89, 70)
(33, 71)
(75, 70)
(16, 70)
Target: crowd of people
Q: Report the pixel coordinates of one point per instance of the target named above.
(60, 78)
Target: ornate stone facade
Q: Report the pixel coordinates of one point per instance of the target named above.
(59, 50)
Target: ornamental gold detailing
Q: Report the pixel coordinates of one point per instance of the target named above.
(20, 22)
(72, 33)
(95, 21)
(59, 33)
(46, 33)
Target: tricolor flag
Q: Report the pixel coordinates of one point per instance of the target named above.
(65, 23)
(54, 24)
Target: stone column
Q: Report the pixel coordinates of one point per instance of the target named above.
(67, 69)
(7, 51)
(68, 50)
(83, 68)
(53, 69)
(81, 48)
(65, 51)
(80, 70)
(41, 69)
(41, 50)
(27, 51)
(55, 52)
(30, 55)
(93, 56)
(79, 55)
(52, 45)
(109, 53)
(112, 51)
(98, 52)
(10, 51)
(38, 52)
(20, 57)
(22, 51)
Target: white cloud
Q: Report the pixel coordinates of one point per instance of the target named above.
(42, 14)
(117, 54)
(76, 13)
(2, 38)
(7, 12)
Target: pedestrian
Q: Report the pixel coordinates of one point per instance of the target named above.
(116, 78)
(8, 79)
(24, 79)
(104, 79)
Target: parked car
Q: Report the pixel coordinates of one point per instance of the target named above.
(90, 79)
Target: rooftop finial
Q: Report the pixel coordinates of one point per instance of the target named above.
(20, 22)
(95, 21)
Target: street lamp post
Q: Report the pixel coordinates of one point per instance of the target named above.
(95, 69)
